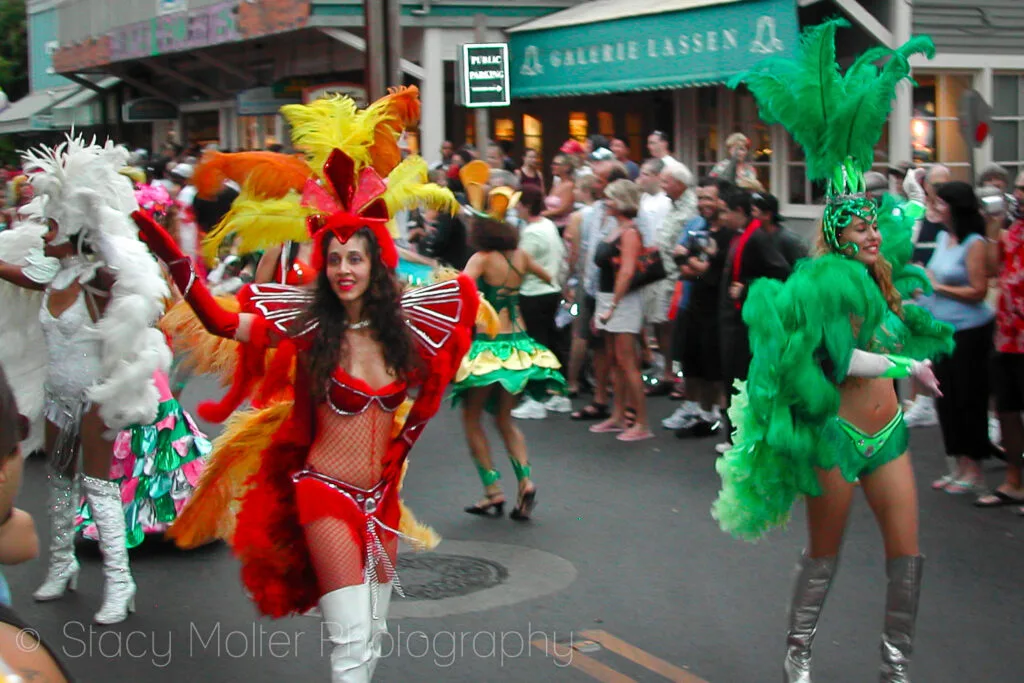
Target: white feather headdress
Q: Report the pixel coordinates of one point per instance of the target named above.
(77, 184)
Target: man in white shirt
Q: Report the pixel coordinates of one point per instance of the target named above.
(657, 146)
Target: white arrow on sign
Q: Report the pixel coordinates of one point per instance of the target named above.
(490, 88)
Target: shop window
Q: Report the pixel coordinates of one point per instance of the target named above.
(935, 129)
(606, 123)
(578, 125)
(256, 132)
(749, 123)
(635, 136)
(1008, 123)
(505, 129)
(470, 131)
(533, 134)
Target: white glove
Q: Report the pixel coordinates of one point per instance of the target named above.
(912, 187)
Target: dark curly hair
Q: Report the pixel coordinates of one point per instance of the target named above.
(382, 306)
(487, 234)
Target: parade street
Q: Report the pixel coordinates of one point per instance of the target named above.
(622, 576)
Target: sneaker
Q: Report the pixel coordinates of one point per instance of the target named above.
(700, 429)
(723, 447)
(922, 413)
(684, 416)
(530, 410)
(558, 404)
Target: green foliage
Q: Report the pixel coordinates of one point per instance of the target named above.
(13, 49)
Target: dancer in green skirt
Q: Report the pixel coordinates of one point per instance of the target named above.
(496, 371)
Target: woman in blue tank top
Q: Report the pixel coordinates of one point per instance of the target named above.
(959, 274)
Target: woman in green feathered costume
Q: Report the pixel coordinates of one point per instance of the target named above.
(819, 410)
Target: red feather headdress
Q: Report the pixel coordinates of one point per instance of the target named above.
(357, 203)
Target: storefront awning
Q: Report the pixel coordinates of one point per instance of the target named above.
(83, 108)
(32, 111)
(609, 46)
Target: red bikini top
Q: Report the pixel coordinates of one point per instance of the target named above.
(349, 395)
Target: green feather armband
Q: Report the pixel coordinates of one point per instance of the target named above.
(902, 367)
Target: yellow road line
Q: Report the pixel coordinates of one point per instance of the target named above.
(644, 659)
(591, 667)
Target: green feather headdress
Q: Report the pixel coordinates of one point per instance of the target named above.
(837, 118)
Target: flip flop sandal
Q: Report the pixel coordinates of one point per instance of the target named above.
(632, 435)
(594, 411)
(996, 499)
(602, 428)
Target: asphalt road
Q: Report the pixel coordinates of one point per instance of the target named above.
(622, 576)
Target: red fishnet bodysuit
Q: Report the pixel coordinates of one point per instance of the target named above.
(350, 448)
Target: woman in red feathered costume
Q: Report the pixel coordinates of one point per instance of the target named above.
(318, 519)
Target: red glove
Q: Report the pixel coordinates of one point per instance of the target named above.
(218, 321)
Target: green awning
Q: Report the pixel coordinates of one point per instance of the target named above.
(580, 51)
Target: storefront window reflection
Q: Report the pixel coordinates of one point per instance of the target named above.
(578, 125)
(504, 129)
(606, 123)
(1008, 122)
(533, 134)
(635, 136)
(256, 132)
(935, 131)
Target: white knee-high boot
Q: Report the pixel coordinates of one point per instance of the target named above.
(63, 571)
(353, 632)
(119, 587)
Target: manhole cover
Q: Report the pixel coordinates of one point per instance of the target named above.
(435, 577)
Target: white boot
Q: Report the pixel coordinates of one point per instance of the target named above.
(63, 571)
(119, 589)
(355, 634)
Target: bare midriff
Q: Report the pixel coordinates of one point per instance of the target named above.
(869, 404)
(351, 447)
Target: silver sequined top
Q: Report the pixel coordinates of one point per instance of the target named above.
(74, 351)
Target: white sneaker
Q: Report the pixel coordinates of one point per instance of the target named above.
(723, 447)
(558, 404)
(530, 410)
(922, 413)
(995, 431)
(684, 416)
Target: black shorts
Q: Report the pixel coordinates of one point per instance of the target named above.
(702, 352)
(1008, 382)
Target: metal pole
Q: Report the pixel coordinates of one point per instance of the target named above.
(483, 114)
(376, 49)
(393, 19)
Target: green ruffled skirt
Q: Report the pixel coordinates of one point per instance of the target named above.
(515, 362)
(157, 467)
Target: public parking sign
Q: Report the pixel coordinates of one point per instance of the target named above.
(484, 69)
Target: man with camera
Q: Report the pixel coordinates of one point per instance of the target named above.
(700, 258)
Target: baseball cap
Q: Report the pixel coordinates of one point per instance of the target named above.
(571, 147)
(767, 202)
(602, 154)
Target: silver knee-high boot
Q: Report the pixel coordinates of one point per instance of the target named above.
(119, 588)
(813, 581)
(353, 631)
(901, 600)
(62, 573)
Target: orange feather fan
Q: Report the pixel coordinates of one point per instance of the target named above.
(211, 512)
(269, 175)
(400, 109)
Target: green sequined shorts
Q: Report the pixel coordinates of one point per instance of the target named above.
(857, 453)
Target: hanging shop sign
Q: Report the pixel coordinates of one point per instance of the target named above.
(261, 101)
(148, 109)
(652, 51)
(484, 78)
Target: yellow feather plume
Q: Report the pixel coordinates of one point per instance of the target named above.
(259, 223)
(408, 189)
(199, 351)
(333, 123)
(211, 512)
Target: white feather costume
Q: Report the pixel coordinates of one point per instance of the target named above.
(77, 184)
(22, 347)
